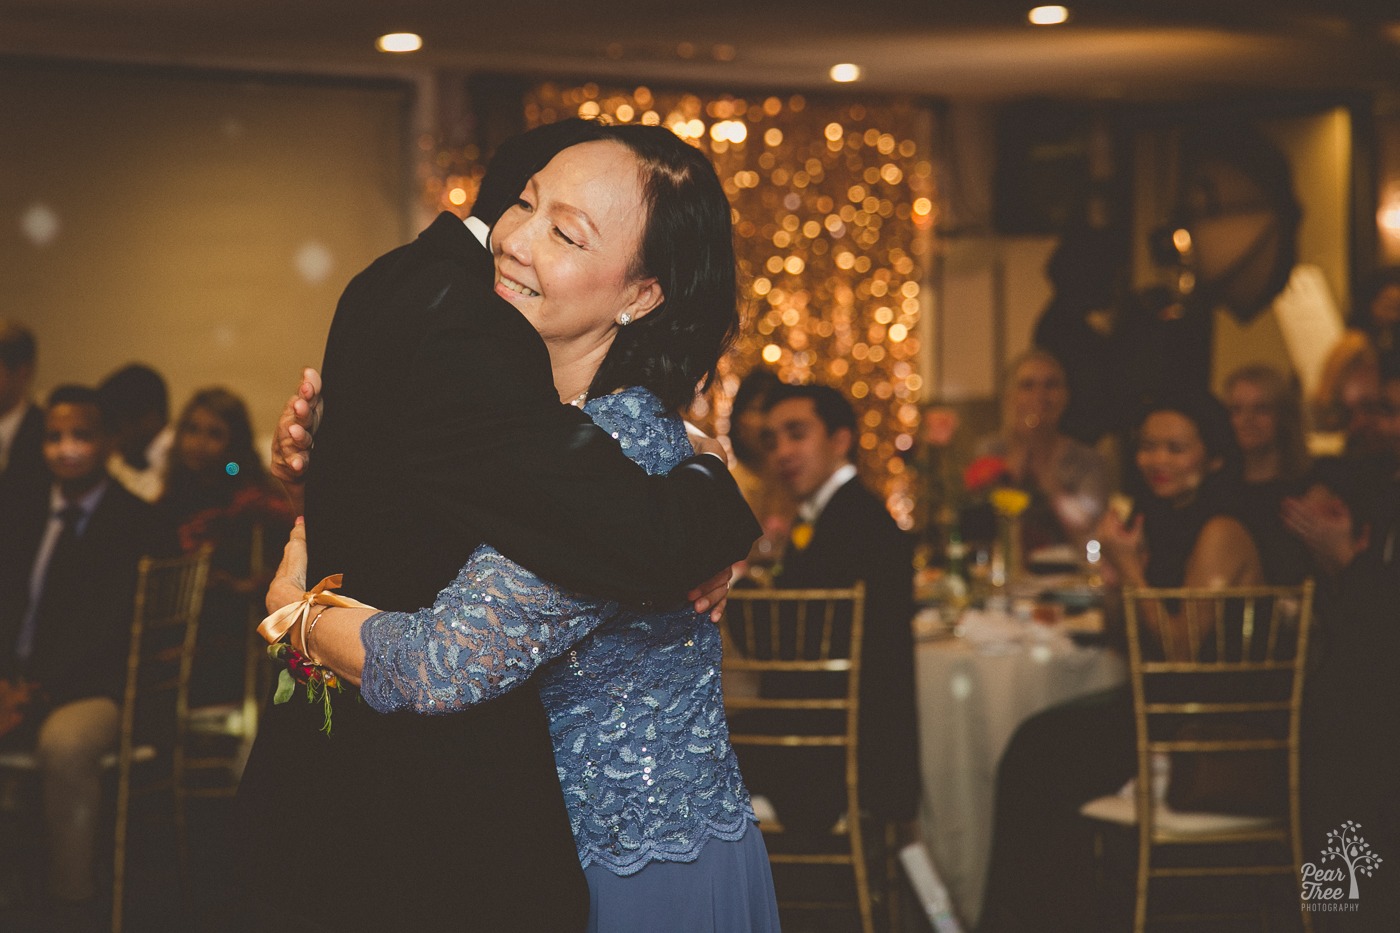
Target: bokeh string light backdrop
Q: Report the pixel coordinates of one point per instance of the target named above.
(834, 207)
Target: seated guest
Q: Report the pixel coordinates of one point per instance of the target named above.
(770, 501)
(843, 534)
(1350, 519)
(1267, 418)
(1067, 481)
(140, 407)
(68, 561)
(21, 421)
(1182, 534)
(1344, 401)
(1377, 312)
(218, 492)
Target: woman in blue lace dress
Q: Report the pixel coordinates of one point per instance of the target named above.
(620, 254)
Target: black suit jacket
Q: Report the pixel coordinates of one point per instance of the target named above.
(25, 471)
(853, 539)
(443, 429)
(85, 610)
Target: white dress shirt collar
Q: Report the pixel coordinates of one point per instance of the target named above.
(478, 228)
(812, 507)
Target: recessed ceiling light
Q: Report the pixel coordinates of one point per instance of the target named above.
(1048, 15)
(845, 73)
(399, 42)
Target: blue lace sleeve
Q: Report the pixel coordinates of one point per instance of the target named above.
(486, 633)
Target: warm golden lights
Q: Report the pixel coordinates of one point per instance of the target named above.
(845, 73)
(399, 42)
(1048, 15)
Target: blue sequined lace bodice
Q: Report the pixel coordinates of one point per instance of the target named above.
(634, 702)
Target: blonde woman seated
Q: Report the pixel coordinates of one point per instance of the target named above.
(1068, 482)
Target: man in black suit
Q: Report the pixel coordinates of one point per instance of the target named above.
(843, 534)
(68, 561)
(442, 429)
(21, 421)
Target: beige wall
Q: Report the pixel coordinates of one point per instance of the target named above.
(202, 224)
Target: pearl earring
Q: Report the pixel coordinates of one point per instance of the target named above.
(624, 319)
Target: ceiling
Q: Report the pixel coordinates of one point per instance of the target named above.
(1129, 49)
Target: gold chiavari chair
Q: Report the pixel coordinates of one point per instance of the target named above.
(1217, 679)
(150, 756)
(149, 759)
(803, 636)
(223, 733)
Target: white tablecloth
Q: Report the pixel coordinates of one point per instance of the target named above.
(971, 699)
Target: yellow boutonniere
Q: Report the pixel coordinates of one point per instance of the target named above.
(801, 535)
(1009, 501)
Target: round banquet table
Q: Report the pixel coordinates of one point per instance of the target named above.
(971, 697)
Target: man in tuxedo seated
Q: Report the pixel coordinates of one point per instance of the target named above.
(21, 421)
(138, 403)
(68, 560)
(843, 534)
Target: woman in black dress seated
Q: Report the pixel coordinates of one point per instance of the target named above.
(1181, 534)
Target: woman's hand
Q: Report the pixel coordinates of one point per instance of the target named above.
(296, 427)
(289, 585)
(1123, 546)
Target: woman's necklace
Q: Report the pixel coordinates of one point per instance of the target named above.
(578, 400)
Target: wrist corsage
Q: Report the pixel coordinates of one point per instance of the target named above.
(302, 667)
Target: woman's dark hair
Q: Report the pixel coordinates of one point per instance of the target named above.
(688, 246)
(1212, 421)
(1171, 531)
(230, 409)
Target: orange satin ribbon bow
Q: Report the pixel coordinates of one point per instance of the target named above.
(276, 626)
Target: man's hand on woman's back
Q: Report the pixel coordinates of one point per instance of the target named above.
(292, 444)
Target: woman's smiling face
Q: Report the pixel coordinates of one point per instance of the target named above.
(1172, 457)
(566, 252)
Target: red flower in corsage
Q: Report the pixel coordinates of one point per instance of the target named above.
(320, 681)
(984, 472)
(300, 669)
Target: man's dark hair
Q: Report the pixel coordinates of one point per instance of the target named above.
(833, 408)
(688, 246)
(71, 394)
(17, 345)
(133, 391)
(752, 393)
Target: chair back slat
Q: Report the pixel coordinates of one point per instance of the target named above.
(805, 648)
(165, 623)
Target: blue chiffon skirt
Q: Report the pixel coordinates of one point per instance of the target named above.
(727, 889)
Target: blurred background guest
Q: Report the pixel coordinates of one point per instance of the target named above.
(770, 500)
(1067, 481)
(21, 421)
(1267, 417)
(1377, 311)
(1041, 873)
(1350, 519)
(1345, 398)
(140, 405)
(1089, 270)
(843, 534)
(218, 492)
(68, 563)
